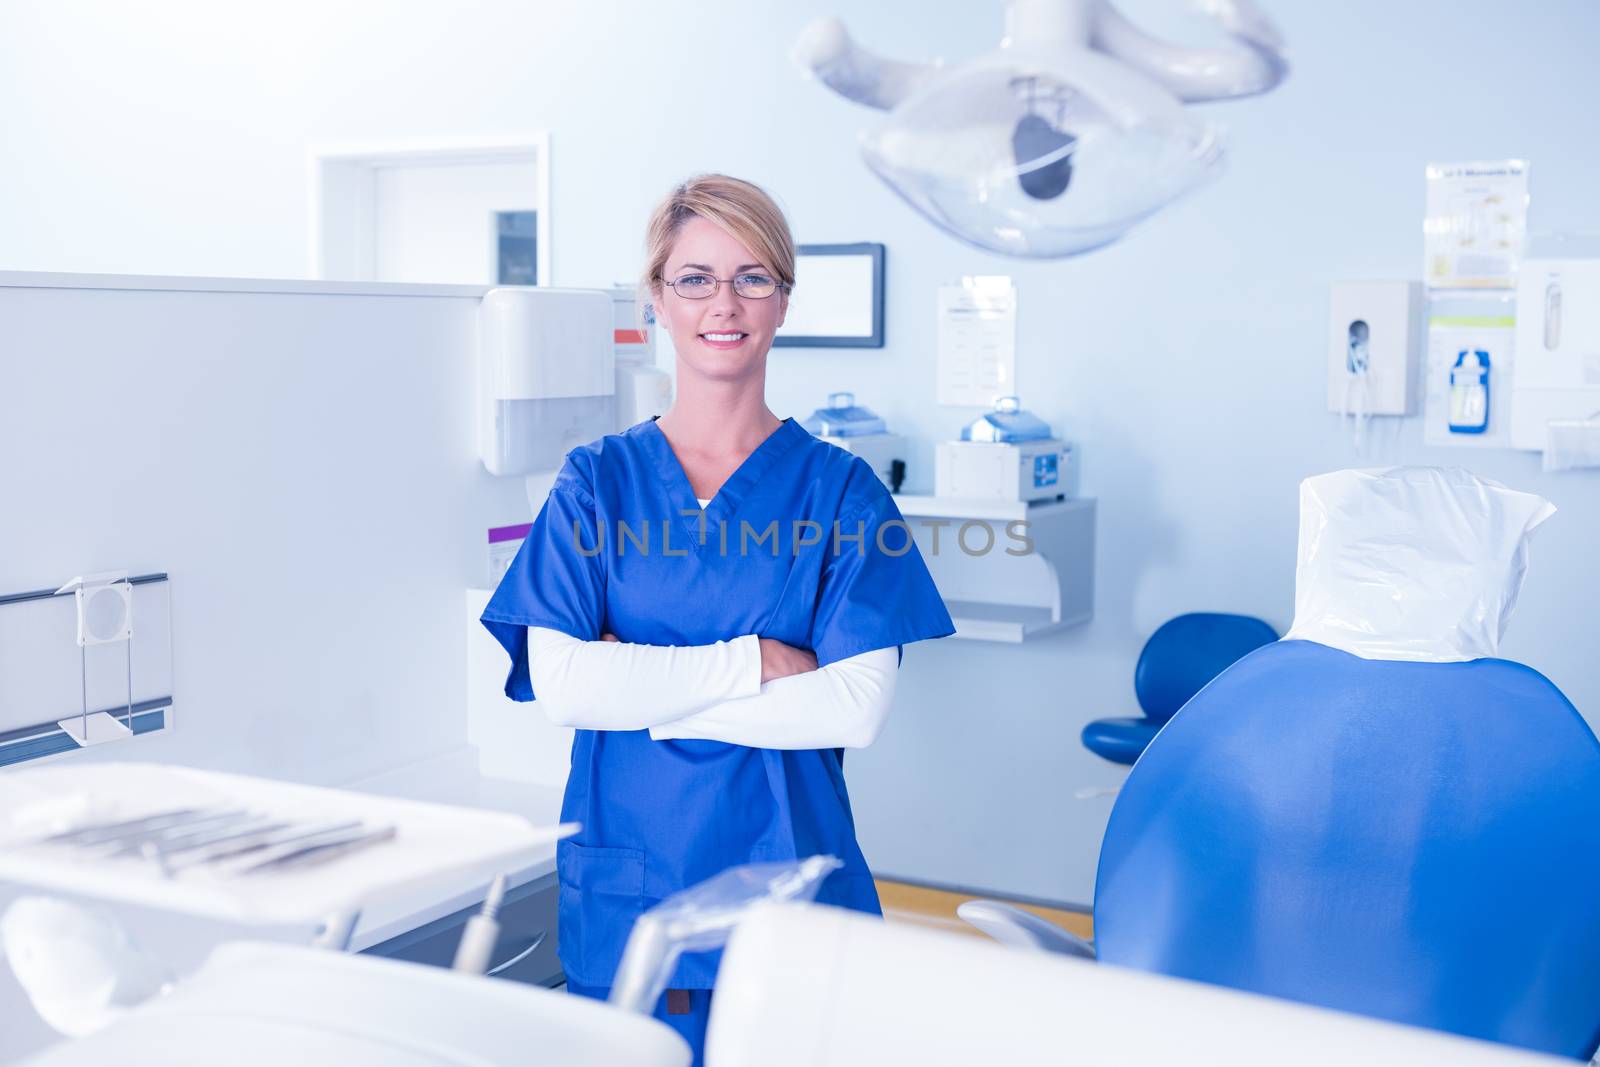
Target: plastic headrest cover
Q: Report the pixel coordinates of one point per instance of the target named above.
(1411, 563)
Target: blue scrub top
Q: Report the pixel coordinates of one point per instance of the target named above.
(621, 546)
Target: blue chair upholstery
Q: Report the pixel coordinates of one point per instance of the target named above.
(1120, 740)
(1179, 659)
(1418, 842)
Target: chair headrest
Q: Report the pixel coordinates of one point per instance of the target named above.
(1411, 563)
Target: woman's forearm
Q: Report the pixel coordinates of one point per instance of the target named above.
(614, 685)
(843, 705)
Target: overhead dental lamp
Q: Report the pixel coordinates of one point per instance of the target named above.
(1064, 137)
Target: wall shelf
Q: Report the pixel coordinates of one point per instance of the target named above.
(991, 593)
(956, 507)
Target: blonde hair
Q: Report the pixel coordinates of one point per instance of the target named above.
(741, 208)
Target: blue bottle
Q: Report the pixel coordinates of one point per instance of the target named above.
(1469, 392)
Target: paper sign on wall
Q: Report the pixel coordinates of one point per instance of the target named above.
(977, 341)
(1476, 224)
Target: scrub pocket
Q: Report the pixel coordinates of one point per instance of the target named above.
(602, 893)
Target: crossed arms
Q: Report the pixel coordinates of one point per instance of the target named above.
(748, 691)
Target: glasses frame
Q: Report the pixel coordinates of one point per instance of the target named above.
(718, 283)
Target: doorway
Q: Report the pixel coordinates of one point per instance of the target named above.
(455, 212)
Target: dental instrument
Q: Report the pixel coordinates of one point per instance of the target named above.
(481, 931)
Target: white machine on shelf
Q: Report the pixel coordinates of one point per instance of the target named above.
(1006, 454)
(859, 431)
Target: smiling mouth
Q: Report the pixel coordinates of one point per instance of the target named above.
(730, 338)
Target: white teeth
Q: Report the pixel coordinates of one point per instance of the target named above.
(722, 336)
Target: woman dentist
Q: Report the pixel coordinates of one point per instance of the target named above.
(715, 599)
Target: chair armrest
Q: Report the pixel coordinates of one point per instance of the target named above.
(1011, 925)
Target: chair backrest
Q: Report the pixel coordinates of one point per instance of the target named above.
(1412, 841)
(1188, 651)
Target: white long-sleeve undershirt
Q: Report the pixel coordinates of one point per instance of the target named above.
(709, 692)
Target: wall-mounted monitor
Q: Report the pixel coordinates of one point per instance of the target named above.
(838, 298)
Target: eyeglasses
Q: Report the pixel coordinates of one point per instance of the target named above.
(750, 286)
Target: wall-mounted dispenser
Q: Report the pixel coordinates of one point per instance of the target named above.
(1552, 315)
(547, 376)
(1373, 334)
(1469, 391)
(643, 389)
(1557, 383)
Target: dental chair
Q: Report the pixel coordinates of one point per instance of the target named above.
(801, 985)
(256, 1004)
(1182, 655)
(1375, 814)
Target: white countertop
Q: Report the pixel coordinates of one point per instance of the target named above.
(453, 778)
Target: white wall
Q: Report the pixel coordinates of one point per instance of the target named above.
(1187, 361)
(302, 464)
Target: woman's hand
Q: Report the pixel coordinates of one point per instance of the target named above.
(779, 660)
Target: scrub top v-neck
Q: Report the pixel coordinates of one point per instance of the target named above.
(723, 506)
(799, 545)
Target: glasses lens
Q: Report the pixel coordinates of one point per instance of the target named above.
(694, 286)
(754, 286)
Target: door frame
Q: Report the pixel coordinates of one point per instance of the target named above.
(342, 191)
